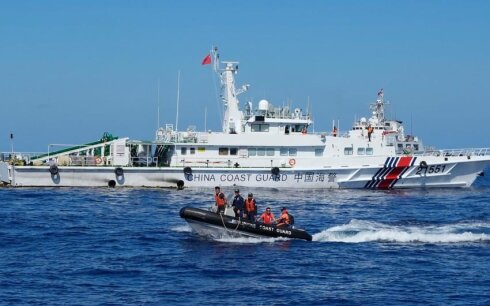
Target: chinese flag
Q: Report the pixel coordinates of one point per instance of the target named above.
(206, 60)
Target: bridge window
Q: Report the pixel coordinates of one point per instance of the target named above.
(223, 151)
(293, 151)
(192, 151)
(183, 151)
(260, 128)
(233, 151)
(369, 151)
(284, 152)
(260, 151)
(361, 151)
(348, 151)
(270, 151)
(252, 151)
(201, 149)
(318, 152)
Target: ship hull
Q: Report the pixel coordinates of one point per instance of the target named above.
(395, 172)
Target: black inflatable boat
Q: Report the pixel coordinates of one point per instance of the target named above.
(209, 223)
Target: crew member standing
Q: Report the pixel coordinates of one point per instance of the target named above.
(370, 131)
(220, 199)
(217, 191)
(250, 207)
(238, 204)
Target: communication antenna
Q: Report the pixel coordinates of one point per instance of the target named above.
(205, 119)
(411, 124)
(158, 105)
(12, 143)
(178, 100)
(308, 106)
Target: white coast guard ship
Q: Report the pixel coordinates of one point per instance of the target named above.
(266, 146)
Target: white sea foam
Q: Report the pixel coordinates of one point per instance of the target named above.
(250, 240)
(182, 229)
(357, 231)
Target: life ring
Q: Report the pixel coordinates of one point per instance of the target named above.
(98, 160)
(292, 162)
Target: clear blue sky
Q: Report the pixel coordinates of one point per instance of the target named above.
(71, 70)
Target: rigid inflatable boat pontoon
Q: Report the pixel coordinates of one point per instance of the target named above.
(209, 223)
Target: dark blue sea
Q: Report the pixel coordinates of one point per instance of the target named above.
(127, 246)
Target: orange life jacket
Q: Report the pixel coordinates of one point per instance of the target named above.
(285, 217)
(267, 218)
(219, 201)
(250, 205)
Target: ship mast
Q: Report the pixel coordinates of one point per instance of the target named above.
(233, 117)
(377, 108)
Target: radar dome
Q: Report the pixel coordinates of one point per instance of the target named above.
(263, 105)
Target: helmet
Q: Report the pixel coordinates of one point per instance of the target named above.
(250, 194)
(237, 190)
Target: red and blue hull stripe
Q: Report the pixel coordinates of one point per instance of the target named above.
(392, 171)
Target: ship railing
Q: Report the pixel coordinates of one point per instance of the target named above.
(144, 161)
(18, 157)
(81, 161)
(456, 152)
(203, 137)
(181, 137)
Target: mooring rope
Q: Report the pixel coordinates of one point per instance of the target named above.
(224, 225)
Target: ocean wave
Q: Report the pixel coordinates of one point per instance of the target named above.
(357, 231)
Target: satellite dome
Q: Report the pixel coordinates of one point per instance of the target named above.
(263, 105)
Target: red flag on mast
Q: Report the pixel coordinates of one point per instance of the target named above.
(206, 60)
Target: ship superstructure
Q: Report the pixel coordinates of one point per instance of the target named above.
(259, 146)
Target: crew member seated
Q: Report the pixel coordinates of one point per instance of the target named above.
(284, 220)
(267, 217)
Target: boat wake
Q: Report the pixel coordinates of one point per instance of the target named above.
(357, 231)
(224, 237)
(182, 229)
